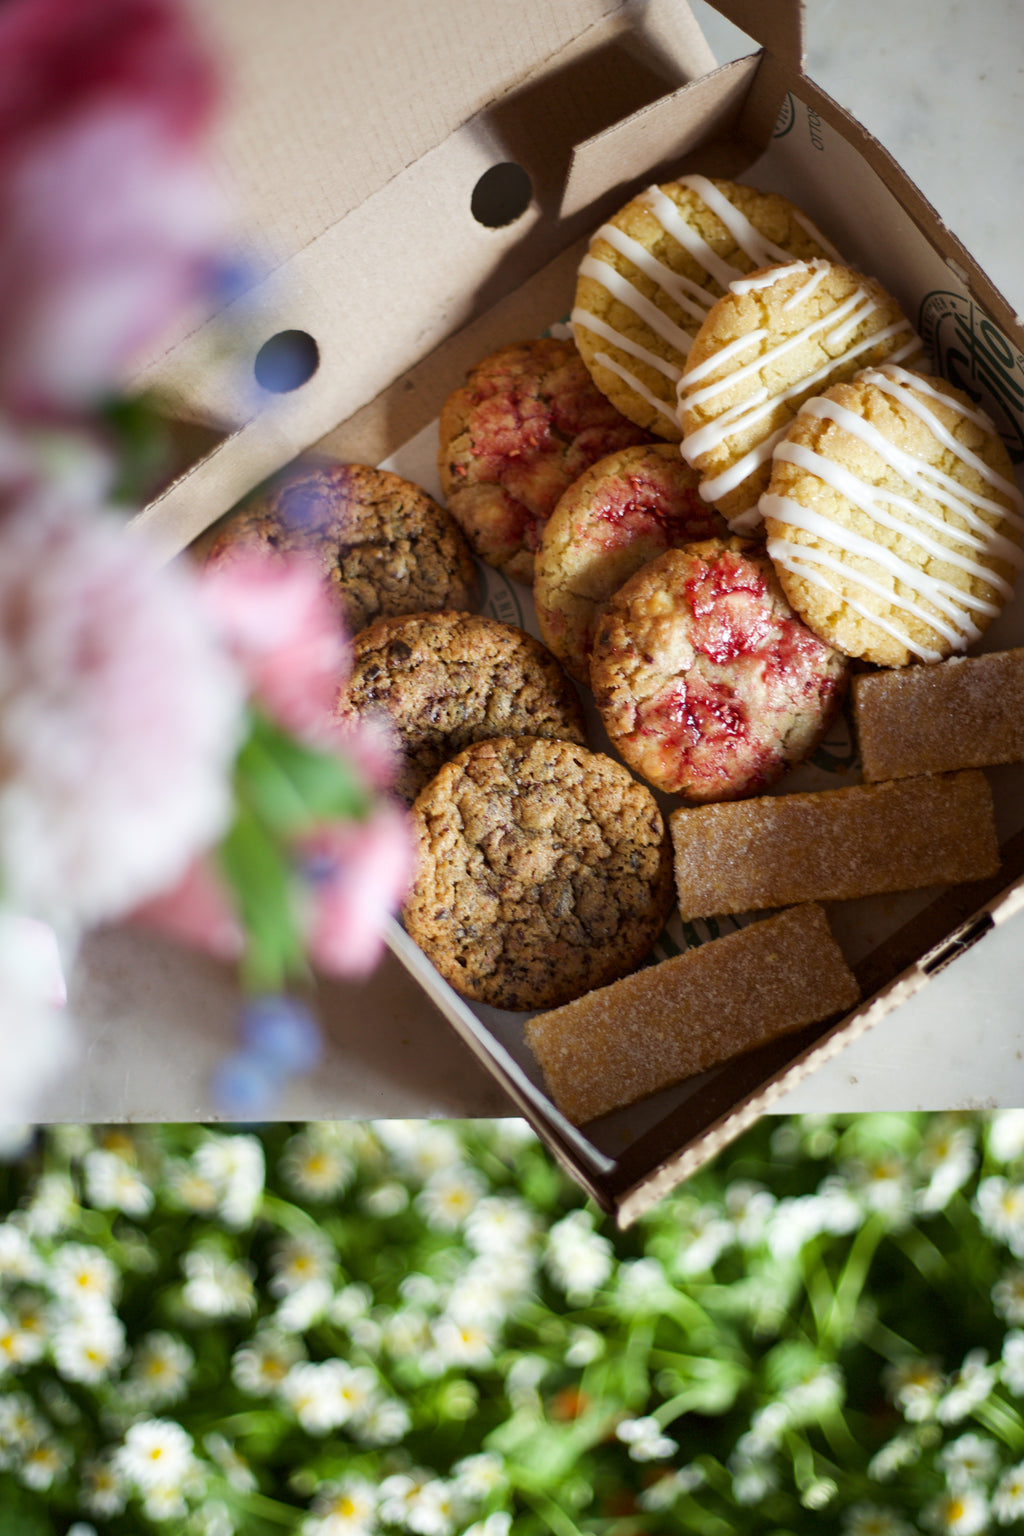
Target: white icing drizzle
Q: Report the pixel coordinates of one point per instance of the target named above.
(607, 333)
(946, 597)
(691, 298)
(674, 224)
(631, 379)
(921, 385)
(818, 270)
(884, 507)
(688, 396)
(859, 493)
(788, 555)
(762, 251)
(622, 289)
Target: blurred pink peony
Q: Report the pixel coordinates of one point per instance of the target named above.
(120, 716)
(110, 221)
(198, 911)
(357, 874)
(279, 623)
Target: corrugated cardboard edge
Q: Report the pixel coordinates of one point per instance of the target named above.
(633, 1202)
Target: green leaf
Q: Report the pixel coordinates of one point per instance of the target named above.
(292, 787)
(260, 875)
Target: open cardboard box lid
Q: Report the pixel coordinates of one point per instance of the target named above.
(355, 146)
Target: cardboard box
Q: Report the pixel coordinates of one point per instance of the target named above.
(363, 208)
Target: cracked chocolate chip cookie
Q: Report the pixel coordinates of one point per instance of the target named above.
(442, 681)
(385, 547)
(708, 684)
(543, 871)
(527, 422)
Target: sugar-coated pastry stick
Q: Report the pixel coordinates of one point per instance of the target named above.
(673, 1020)
(961, 713)
(834, 845)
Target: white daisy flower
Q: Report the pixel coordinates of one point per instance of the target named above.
(352, 1302)
(53, 1207)
(389, 1198)
(211, 1519)
(398, 1491)
(112, 1184)
(1000, 1209)
(303, 1307)
(971, 1385)
(21, 1428)
(578, 1259)
(641, 1285)
(156, 1454)
(431, 1509)
(477, 1477)
(328, 1393)
(20, 1346)
(18, 1257)
(189, 1188)
(235, 1166)
(1008, 1498)
(45, 1463)
(1006, 1135)
(489, 1287)
(583, 1346)
(82, 1528)
(234, 1466)
(315, 1167)
(501, 1224)
(164, 1501)
(968, 1460)
(161, 1371)
(405, 1333)
(103, 1490)
(751, 1480)
(81, 1275)
(259, 1366)
(963, 1512)
(1012, 1371)
(419, 1147)
(497, 1523)
(448, 1197)
(89, 1346)
(296, 1260)
(347, 1507)
(948, 1156)
(703, 1240)
(217, 1286)
(915, 1386)
(385, 1421)
(1008, 1296)
(749, 1206)
(883, 1183)
(671, 1486)
(901, 1451)
(645, 1438)
(816, 1393)
(461, 1342)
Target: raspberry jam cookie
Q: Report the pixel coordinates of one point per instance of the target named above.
(445, 680)
(621, 513)
(384, 546)
(776, 339)
(543, 871)
(707, 683)
(655, 269)
(527, 422)
(893, 518)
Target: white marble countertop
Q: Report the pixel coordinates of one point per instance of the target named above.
(941, 84)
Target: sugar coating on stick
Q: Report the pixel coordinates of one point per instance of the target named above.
(834, 845)
(681, 1017)
(961, 713)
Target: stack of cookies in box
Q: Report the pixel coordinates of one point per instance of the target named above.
(735, 495)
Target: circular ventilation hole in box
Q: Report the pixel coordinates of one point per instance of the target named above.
(501, 195)
(286, 362)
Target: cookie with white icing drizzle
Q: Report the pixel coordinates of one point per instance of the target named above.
(893, 518)
(778, 337)
(655, 269)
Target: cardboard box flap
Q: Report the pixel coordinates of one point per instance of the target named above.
(778, 27)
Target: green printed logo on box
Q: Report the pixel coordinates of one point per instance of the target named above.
(975, 356)
(786, 117)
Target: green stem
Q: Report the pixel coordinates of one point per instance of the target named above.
(554, 1518)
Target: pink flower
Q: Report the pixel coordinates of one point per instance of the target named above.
(282, 627)
(358, 874)
(198, 911)
(120, 716)
(109, 220)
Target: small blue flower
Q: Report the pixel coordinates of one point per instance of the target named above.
(282, 1033)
